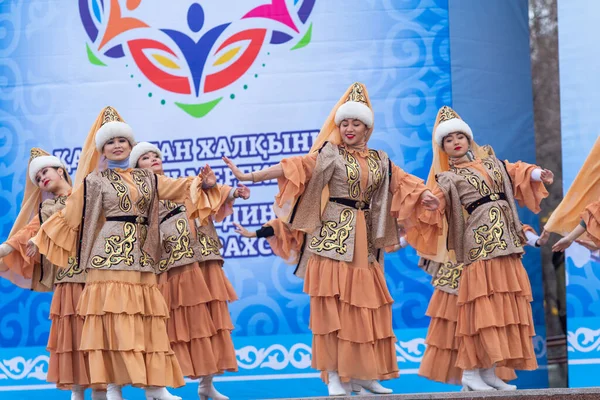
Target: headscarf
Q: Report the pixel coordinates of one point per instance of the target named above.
(584, 190)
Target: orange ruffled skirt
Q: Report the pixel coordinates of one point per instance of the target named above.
(199, 326)
(67, 365)
(351, 315)
(439, 361)
(125, 333)
(495, 323)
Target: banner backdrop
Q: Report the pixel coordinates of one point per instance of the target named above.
(579, 85)
(252, 80)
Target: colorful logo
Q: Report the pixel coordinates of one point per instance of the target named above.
(194, 63)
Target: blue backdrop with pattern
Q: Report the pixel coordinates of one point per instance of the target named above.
(254, 81)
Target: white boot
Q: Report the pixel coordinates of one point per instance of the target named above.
(159, 393)
(98, 394)
(77, 393)
(334, 386)
(372, 386)
(113, 392)
(207, 390)
(472, 381)
(358, 390)
(489, 376)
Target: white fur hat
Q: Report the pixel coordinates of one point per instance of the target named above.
(39, 163)
(111, 130)
(355, 110)
(448, 122)
(139, 150)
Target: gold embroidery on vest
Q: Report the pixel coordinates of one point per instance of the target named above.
(72, 269)
(352, 172)
(495, 174)
(489, 237)
(448, 275)
(474, 180)
(177, 246)
(145, 259)
(369, 223)
(117, 249)
(120, 187)
(140, 179)
(169, 205)
(374, 163)
(333, 234)
(208, 245)
(514, 236)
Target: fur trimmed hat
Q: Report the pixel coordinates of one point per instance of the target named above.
(355, 107)
(39, 163)
(448, 122)
(111, 130)
(139, 150)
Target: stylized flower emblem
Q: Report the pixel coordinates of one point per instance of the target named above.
(194, 63)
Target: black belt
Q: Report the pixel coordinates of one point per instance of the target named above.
(487, 199)
(175, 211)
(129, 218)
(358, 204)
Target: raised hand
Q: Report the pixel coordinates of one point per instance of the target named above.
(547, 177)
(562, 244)
(236, 171)
(242, 191)
(429, 201)
(209, 179)
(32, 249)
(243, 231)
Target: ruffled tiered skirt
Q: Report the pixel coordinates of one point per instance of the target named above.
(67, 365)
(495, 323)
(200, 326)
(351, 315)
(439, 360)
(125, 333)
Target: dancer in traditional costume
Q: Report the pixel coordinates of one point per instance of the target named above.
(111, 223)
(67, 366)
(345, 198)
(494, 320)
(193, 283)
(579, 211)
(439, 360)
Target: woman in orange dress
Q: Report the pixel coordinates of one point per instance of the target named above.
(578, 214)
(192, 281)
(494, 326)
(67, 367)
(110, 223)
(345, 198)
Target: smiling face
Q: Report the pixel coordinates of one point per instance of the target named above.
(152, 161)
(353, 131)
(456, 144)
(49, 178)
(117, 149)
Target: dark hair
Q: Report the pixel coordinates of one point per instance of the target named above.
(66, 174)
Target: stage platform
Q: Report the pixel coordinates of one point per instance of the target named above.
(538, 394)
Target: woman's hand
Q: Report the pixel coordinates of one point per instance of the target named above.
(429, 201)
(547, 177)
(562, 244)
(236, 171)
(243, 231)
(209, 179)
(32, 249)
(242, 191)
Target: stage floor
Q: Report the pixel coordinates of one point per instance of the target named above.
(537, 394)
